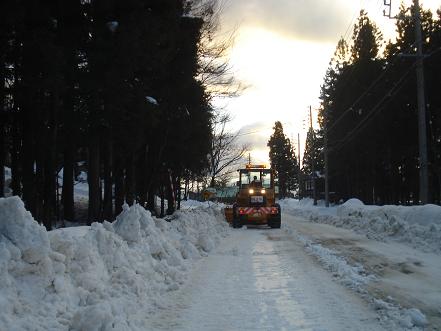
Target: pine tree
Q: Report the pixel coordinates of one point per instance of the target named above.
(283, 160)
(313, 155)
(366, 39)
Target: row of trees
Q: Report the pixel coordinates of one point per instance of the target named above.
(369, 109)
(119, 84)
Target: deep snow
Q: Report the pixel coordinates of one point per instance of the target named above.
(103, 277)
(416, 226)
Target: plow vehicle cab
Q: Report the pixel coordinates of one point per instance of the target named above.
(255, 202)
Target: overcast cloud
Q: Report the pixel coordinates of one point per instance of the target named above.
(253, 135)
(314, 20)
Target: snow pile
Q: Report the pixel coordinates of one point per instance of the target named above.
(191, 204)
(404, 319)
(418, 226)
(103, 277)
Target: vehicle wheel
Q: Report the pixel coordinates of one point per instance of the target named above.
(275, 223)
(236, 223)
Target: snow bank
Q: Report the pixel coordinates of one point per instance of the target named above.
(103, 277)
(418, 226)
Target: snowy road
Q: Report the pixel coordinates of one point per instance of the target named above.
(261, 279)
(409, 276)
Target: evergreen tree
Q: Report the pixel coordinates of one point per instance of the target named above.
(313, 154)
(366, 39)
(369, 109)
(283, 160)
(113, 83)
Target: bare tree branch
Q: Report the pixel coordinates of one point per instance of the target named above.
(215, 72)
(225, 154)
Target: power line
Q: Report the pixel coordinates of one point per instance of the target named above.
(251, 132)
(387, 97)
(368, 90)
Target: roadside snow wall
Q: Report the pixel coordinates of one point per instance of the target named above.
(109, 276)
(417, 226)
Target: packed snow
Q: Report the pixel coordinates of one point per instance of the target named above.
(388, 254)
(358, 279)
(108, 276)
(418, 226)
(261, 279)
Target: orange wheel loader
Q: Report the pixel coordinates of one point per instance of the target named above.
(256, 200)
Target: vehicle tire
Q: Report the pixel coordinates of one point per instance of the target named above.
(236, 223)
(275, 223)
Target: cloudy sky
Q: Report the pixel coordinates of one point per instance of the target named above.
(281, 51)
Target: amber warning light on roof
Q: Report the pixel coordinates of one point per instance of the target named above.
(255, 166)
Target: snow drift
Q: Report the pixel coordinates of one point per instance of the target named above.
(109, 276)
(417, 226)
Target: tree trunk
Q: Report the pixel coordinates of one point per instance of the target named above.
(142, 176)
(186, 188)
(93, 178)
(151, 200)
(130, 180)
(119, 184)
(108, 191)
(68, 180)
(170, 194)
(178, 192)
(49, 190)
(29, 196)
(15, 158)
(2, 154)
(40, 176)
(50, 176)
(2, 126)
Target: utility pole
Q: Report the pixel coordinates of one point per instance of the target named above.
(326, 161)
(314, 193)
(422, 130)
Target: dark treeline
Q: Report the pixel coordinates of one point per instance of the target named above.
(369, 107)
(109, 82)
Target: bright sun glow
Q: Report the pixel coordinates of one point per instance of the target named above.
(284, 74)
(281, 74)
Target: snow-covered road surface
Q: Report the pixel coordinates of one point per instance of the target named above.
(262, 279)
(407, 275)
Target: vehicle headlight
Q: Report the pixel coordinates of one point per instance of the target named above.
(251, 191)
(263, 191)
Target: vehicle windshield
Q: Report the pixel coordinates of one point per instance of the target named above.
(257, 178)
